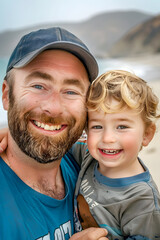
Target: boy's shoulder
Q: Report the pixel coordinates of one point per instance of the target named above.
(80, 152)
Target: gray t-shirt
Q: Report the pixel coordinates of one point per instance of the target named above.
(129, 208)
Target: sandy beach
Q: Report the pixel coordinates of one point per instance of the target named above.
(150, 155)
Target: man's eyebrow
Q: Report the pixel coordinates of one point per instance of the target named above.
(46, 76)
(74, 82)
(39, 74)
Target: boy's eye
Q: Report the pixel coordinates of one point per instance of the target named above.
(122, 127)
(97, 127)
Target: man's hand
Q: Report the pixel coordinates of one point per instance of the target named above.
(91, 234)
(3, 139)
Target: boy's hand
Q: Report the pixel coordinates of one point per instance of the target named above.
(3, 139)
(91, 234)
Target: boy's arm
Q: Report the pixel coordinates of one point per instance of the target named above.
(143, 221)
(3, 139)
(147, 226)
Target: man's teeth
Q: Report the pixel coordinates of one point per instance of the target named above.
(47, 127)
(111, 151)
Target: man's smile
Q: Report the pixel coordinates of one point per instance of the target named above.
(47, 126)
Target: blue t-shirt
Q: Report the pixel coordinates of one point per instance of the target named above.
(26, 214)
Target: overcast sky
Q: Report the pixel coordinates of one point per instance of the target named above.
(16, 14)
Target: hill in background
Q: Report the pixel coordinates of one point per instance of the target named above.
(110, 34)
(142, 39)
(100, 33)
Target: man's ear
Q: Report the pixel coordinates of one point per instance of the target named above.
(5, 95)
(149, 134)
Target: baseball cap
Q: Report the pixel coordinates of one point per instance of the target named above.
(35, 42)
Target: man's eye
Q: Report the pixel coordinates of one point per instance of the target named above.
(71, 93)
(38, 86)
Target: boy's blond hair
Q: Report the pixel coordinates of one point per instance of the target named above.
(126, 88)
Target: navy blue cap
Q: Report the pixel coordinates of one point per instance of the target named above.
(36, 42)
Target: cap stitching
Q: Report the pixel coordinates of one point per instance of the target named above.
(59, 34)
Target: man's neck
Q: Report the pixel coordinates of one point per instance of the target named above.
(44, 178)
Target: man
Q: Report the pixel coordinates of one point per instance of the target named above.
(44, 92)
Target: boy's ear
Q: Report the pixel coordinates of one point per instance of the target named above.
(5, 93)
(149, 134)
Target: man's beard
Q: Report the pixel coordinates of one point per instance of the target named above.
(42, 148)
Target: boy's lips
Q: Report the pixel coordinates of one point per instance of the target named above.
(111, 151)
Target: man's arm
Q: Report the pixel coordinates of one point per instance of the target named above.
(3, 139)
(91, 234)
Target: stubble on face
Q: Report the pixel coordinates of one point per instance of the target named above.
(43, 149)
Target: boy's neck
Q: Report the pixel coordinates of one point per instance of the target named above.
(122, 172)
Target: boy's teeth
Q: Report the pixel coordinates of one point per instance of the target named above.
(47, 127)
(111, 151)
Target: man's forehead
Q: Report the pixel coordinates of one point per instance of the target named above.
(64, 57)
(57, 59)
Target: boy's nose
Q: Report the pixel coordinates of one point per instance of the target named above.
(109, 136)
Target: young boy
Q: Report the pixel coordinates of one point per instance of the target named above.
(115, 189)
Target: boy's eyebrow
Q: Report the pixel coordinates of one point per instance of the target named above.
(116, 119)
(94, 119)
(124, 119)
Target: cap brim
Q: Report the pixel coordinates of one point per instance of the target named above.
(86, 57)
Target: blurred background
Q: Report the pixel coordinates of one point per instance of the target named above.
(122, 34)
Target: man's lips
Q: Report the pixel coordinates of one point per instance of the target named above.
(48, 127)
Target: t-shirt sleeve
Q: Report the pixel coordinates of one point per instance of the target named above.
(144, 217)
(78, 151)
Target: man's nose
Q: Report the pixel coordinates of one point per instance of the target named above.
(53, 105)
